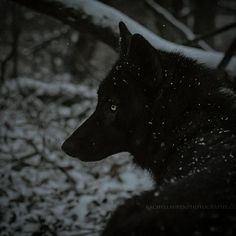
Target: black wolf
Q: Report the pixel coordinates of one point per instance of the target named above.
(178, 120)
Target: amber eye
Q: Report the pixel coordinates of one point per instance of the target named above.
(113, 107)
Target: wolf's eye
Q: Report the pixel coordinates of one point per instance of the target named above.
(113, 107)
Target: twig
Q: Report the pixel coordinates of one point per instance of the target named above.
(13, 54)
(21, 160)
(16, 37)
(178, 26)
(4, 64)
(212, 33)
(229, 9)
(228, 55)
(27, 156)
(47, 42)
(42, 154)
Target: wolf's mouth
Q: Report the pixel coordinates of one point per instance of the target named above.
(86, 154)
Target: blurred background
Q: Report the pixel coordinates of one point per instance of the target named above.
(49, 74)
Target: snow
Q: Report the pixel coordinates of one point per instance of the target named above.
(108, 17)
(42, 190)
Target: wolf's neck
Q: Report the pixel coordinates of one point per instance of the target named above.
(168, 143)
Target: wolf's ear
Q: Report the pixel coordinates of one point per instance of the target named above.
(143, 54)
(125, 38)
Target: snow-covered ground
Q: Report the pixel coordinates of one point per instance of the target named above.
(43, 191)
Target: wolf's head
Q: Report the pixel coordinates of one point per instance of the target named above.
(124, 99)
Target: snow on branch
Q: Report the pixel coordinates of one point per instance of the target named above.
(47, 90)
(100, 20)
(178, 26)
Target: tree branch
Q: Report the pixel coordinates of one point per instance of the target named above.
(228, 55)
(181, 28)
(227, 7)
(4, 64)
(212, 33)
(47, 42)
(101, 21)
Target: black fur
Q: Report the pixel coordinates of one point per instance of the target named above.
(177, 119)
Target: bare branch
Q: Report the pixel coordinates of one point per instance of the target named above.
(212, 33)
(101, 21)
(228, 55)
(13, 53)
(4, 64)
(227, 7)
(176, 24)
(46, 42)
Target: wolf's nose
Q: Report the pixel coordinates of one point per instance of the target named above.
(68, 148)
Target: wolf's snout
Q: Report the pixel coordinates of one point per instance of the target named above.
(69, 148)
